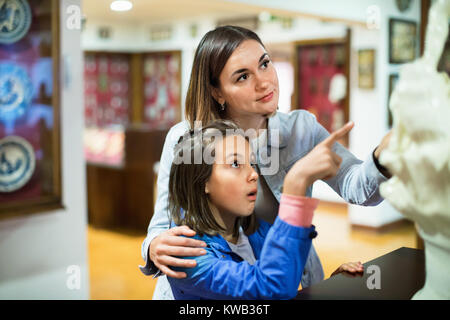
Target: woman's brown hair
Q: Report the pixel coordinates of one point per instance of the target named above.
(210, 58)
(188, 202)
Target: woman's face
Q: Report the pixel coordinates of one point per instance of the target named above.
(232, 186)
(248, 82)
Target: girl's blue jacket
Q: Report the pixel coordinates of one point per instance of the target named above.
(281, 252)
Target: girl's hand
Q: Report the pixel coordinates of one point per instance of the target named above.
(349, 267)
(320, 163)
(170, 243)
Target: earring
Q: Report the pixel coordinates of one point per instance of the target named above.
(222, 107)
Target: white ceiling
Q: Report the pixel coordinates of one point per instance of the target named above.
(164, 10)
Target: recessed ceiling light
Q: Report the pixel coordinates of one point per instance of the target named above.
(264, 16)
(121, 5)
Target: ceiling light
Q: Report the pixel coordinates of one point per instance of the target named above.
(121, 5)
(264, 16)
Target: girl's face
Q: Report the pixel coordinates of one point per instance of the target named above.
(232, 186)
(248, 82)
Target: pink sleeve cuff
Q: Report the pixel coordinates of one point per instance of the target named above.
(297, 210)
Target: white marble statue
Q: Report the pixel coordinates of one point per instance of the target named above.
(418, 155)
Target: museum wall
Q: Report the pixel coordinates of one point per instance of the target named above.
(44, 255)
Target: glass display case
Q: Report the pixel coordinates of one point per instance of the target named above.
(30, 166)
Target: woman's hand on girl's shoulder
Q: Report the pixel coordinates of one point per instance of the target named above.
(175, 242)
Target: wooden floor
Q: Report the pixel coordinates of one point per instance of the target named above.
(114, 256)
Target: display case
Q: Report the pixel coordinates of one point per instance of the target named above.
(321, 67)
(162, 89)
(122, 195)
(30, 166)
(107, 78)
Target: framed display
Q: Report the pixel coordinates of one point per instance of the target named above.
(402, 40)
(107, 78)
(30, 166)
(318, 64)
(393, 78)
(162, 89)
(366, 69)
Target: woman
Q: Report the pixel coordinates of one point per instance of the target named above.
(233, 78)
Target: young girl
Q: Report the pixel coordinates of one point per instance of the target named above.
(245, 258)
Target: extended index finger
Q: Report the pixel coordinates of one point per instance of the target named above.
(336, 135)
